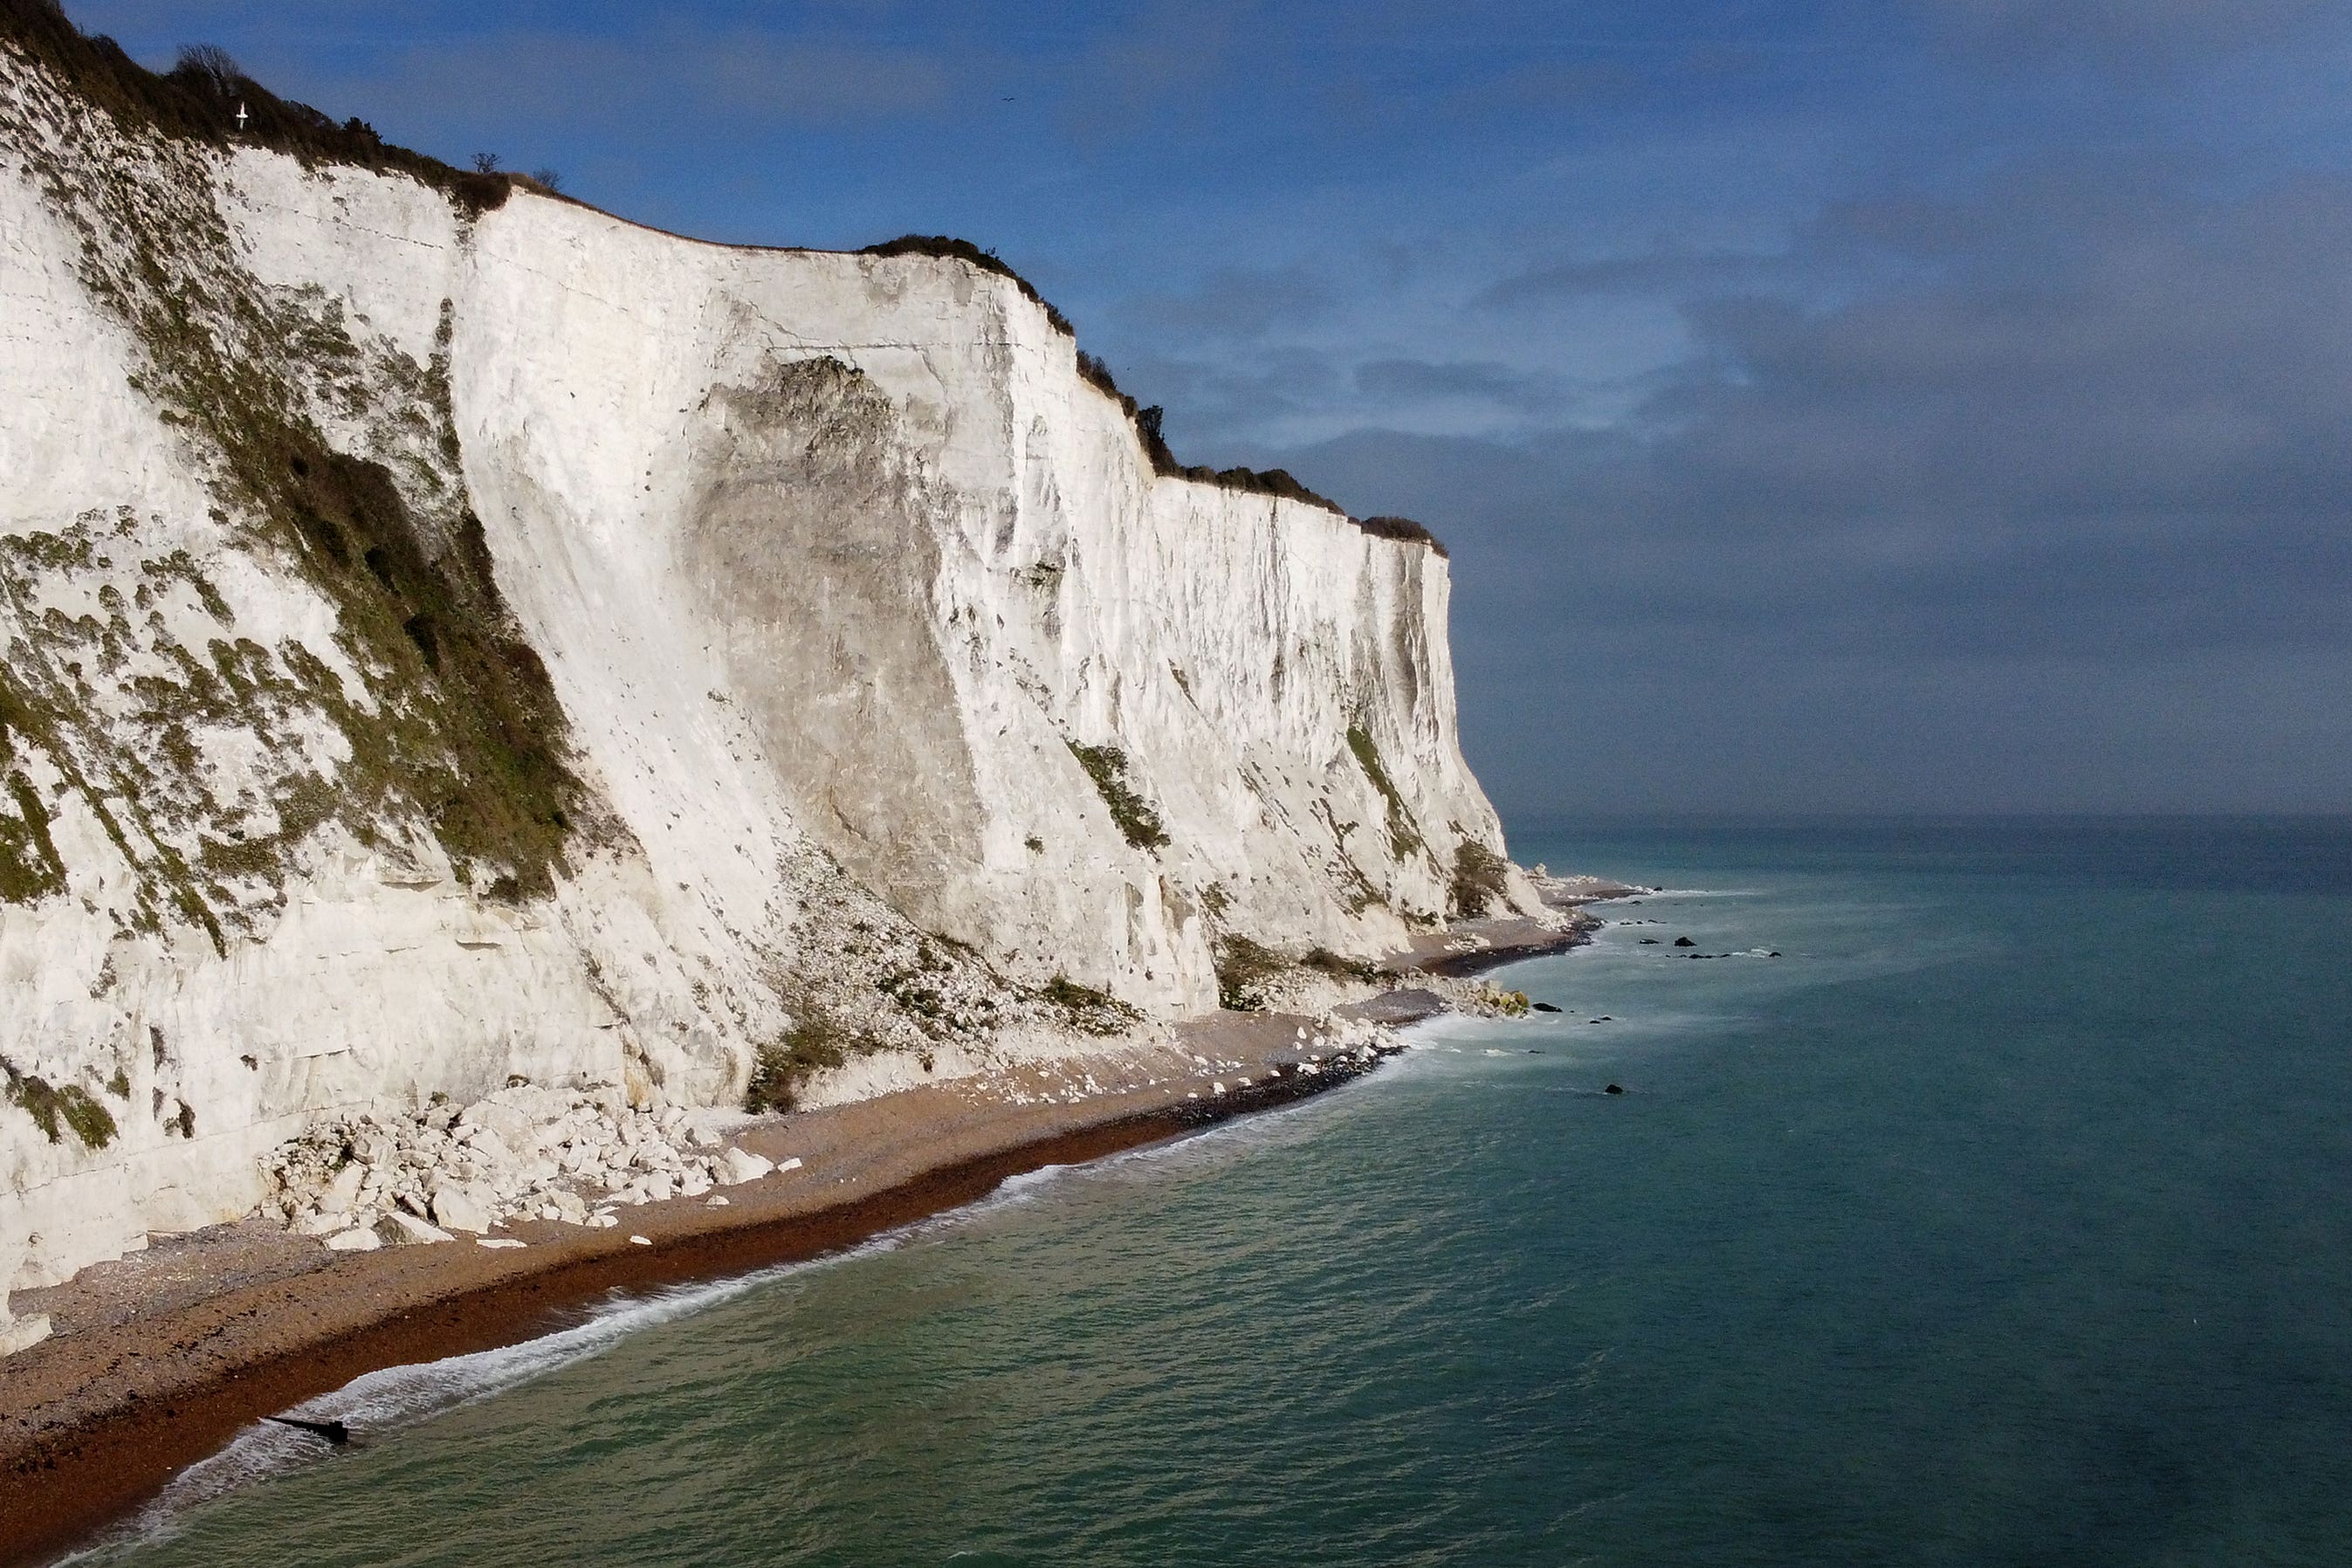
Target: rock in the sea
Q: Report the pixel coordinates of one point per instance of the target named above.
(1614, 1089)
(399, 1230)
(1649, 941)
(737, 1166)
(359, 1238)
(1685, 942)
(1544, 1007)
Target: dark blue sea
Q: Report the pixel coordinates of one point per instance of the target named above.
(2005, 1218)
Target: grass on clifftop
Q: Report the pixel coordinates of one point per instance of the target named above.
(198, 99)
(946, 247)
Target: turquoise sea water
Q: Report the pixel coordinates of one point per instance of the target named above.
(2006, 1218)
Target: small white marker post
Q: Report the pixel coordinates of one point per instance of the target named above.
(240, 117)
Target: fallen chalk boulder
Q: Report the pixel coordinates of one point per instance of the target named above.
(457, 1207)
(737, 1166)
(399, 1230)
(20, 1333)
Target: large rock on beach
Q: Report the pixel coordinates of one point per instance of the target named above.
(21, 1333)
(17, 1333)
(398, 1229)
(737, 1166)
(460, 1206)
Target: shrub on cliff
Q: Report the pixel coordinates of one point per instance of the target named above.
(1479, 877)
(1147, 421)
(784, 1066)
(1244, 966)
(1340, 967)
(1402, 528)
(1090, 1011)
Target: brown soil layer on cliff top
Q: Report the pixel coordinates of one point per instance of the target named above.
(158, 1360)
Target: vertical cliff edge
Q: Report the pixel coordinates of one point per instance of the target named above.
(453, 634)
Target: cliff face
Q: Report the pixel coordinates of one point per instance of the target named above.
(447, 641)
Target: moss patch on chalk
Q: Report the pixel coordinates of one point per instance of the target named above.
(1404, 839)
(452, 728)
(55, 1110)
(1136, 821)
(1087, 1010)
(30, 869)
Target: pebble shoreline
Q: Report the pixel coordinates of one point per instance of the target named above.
(95, 1421)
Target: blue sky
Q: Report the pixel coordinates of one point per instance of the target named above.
(1910, 404)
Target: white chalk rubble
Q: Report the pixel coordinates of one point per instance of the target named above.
(392, 1177)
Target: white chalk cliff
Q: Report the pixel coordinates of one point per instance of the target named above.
(450, 638)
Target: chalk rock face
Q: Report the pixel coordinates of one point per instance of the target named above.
(448, 644)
